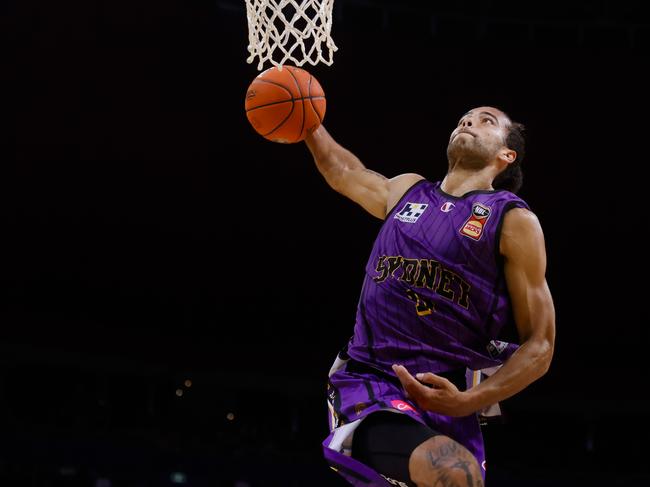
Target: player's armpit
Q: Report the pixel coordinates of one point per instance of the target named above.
(399, 185)
(374, 192)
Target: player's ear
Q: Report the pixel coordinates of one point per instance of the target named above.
(508, 155)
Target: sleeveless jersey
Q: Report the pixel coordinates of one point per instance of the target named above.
(434, 296)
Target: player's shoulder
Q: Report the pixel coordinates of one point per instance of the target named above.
(521, 217)
(403, 182)
(520, 226)
(399, 185)
(406, 178)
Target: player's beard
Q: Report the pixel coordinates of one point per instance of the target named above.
(469, 152)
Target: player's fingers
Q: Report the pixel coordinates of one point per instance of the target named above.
(416, 391)
(404, 375)
(412, 388)
(432, 379)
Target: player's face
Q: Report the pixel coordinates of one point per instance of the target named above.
(479, 135)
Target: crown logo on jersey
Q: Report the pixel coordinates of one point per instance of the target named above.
(473, 227)
(411, 212)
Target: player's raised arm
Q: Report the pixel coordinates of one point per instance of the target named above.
(346, 174)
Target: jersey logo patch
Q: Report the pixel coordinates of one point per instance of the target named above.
(402, 406)
(447, 206)
(411, 212)
(473, 227)
(496, 348)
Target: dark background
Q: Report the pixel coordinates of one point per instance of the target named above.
(152, 237)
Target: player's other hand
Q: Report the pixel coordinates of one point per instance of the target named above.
(440, 396)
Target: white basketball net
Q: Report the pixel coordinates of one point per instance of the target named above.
(290, 30)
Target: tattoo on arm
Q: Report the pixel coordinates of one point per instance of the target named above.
(370, 171)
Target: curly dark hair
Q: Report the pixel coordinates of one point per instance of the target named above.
(512, 177)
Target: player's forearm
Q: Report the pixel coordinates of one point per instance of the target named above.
(530, 362)
(332, 160)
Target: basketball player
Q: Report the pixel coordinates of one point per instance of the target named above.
(454, 263)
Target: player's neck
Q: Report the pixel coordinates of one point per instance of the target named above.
(460, 181)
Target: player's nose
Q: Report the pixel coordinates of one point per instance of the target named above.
(466, 122)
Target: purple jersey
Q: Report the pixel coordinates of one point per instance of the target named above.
(434, 295)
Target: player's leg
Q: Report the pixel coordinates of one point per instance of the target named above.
(410, 454)
(444, 462)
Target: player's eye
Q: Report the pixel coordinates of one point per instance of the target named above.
(488, 120)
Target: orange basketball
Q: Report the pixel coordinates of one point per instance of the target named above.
(285, 106)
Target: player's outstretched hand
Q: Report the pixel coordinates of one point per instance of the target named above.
(440, 396)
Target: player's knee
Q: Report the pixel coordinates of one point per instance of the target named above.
(448, 477)
(443, 461)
